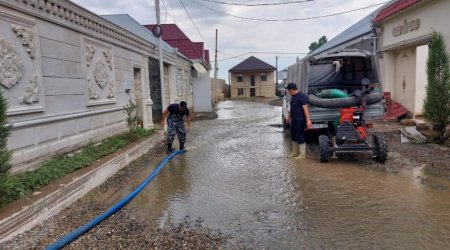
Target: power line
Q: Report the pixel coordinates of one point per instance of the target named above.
(165, 17)
(259, 4)
(192, 21)
(288, 20)
(263, 52)
(173, 13)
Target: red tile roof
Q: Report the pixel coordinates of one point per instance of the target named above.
(175, 37)
(394, 8)
(170, 31)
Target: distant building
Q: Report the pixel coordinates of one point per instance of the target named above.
(221, 89)
(252, 77)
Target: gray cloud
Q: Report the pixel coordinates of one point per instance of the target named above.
(238, 36)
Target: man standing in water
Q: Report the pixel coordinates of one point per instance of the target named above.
(299, 120)
(175, 124)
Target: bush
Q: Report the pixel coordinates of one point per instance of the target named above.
(437, 100)
(5, 130)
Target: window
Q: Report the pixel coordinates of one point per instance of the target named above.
(240, 91)
(263, 76)
(252, 80)
(240, 77)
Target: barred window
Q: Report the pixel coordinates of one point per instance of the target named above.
(240, 77)
(263, 76)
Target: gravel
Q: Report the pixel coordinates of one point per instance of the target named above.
(121, 230)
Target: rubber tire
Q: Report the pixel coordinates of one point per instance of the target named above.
(380, 146)
(324, 148)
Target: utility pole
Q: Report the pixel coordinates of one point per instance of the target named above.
(276, 74)
(215, 72)
(161, 66)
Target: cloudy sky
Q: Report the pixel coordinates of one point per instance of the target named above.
(239, 34)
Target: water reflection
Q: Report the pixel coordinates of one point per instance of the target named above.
(236, 177)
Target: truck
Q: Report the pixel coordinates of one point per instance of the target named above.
(343, 71)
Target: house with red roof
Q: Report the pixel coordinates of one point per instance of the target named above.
(404, 29)
(194, 51)
(252, 77)
(174, 36)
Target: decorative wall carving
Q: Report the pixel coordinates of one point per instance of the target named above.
(11, 65)
(108, 57)
(101, 74)
(93, 95)
(407, 26)
(90, 51)
(31, 92)
(111, 93)
(20, 63)
(27, 38)
(69, 12)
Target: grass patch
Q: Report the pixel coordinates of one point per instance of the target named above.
(17, 186)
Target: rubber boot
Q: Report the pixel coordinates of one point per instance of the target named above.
(182, 145)
(169, 148)
(294, 149)
(302, 154)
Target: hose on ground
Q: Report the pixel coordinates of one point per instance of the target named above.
(83, 229)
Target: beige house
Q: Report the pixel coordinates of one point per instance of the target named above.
(252, 78)
(404, 29)
(220, 88)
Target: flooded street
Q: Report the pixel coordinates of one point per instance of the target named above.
(236, 178)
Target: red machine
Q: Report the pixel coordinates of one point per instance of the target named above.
(355, 116)
(350, 134)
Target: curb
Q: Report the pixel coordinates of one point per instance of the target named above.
(53, 203)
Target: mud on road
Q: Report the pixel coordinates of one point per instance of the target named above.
(121, 230)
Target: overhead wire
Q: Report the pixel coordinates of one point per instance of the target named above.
(192, 21)
(173, 13)
(259, 4)
(290, 19)
(165, 17)
(263, 52)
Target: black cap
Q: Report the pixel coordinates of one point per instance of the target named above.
(291, 86)
(183, 104)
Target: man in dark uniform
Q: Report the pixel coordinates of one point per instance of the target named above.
(299, 120)
(175, 124)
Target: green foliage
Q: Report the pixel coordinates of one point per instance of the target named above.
(5, 130)
(315, 45)
(14, 187)
(437, 100)
(130, 111)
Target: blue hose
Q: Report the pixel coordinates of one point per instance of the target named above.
(83, 229)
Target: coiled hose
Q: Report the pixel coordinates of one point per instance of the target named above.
(83, 229)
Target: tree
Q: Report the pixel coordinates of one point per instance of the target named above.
(437, 100)
(315, 45)
(5, 130)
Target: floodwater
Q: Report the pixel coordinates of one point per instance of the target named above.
(237, 179)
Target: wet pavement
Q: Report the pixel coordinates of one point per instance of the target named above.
(236, 177)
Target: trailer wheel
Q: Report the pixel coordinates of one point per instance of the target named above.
(380, 147)
(324, 148)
